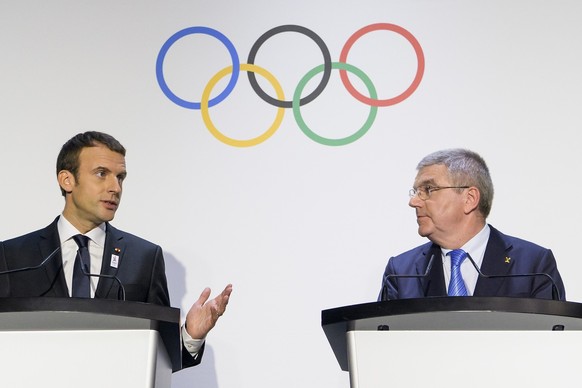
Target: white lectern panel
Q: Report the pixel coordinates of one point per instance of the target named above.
(451, 359)
(88, 359)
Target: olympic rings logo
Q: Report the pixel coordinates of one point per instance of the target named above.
(298, 101)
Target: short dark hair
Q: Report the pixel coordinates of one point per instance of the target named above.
(68, 158)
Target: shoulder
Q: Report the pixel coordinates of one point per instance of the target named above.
(412, 256)
(417, 251)
(129, 238)
(24, 238)
(48, 232)
(512, 241)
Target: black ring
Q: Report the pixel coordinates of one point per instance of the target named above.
(326, 65)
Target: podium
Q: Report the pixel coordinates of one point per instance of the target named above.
(70, 342)
(457, 342)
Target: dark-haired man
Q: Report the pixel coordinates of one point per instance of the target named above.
(90, 171)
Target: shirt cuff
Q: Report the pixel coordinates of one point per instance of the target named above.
(192, 345)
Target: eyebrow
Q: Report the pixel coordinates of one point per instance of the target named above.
(425, 182)
(102, 168)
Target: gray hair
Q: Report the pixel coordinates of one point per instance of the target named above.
(466, 168)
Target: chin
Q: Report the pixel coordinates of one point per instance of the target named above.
(107, 217)
(423, 232)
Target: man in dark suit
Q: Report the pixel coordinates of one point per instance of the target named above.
(90, 172)
(452, 196)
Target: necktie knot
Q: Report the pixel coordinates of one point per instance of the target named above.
(457, 257)
(81, 240)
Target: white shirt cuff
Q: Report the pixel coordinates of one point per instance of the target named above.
(192, 345)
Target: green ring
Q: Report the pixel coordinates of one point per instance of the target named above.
(324, 140)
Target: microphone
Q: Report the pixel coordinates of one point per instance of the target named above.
(32, 268)
(384, 293)
(120, 291)
(555, 291)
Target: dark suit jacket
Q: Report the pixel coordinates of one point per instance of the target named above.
(504, 255)
(140, 269)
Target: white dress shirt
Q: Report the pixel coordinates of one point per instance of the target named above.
(476, 249)
(69, 251)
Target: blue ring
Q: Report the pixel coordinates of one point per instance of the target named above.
(197, 30)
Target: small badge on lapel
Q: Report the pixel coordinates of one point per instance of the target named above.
(507, 260)
(115, 259)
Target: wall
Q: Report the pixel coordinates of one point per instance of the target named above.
(296, 225)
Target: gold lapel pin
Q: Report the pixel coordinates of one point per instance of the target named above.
(117, 250)
(507, 260)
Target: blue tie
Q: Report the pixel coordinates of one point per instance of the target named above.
(457, 285)
(81, 282)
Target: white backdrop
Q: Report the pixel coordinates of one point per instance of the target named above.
(295, 225)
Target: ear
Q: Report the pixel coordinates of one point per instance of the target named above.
(66, 180)
(472, 198)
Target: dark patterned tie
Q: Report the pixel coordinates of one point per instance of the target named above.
(457, 285)
(81, 282)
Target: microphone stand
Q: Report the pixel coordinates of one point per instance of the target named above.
(396, 276)
(555, 291)
(42, 263)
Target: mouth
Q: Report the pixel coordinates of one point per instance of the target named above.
(111, 205)
(419, 218)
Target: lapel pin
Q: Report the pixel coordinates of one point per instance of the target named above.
(507, 260)
(117, 250)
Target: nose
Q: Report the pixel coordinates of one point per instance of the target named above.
(414, 201)
(115, 185)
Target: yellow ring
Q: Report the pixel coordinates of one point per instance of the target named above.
(228, 140)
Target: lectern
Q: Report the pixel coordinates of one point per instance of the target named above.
(458, 342)
(70, 342)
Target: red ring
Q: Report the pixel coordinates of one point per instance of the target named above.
(419, 71)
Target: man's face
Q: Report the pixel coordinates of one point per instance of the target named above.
(94, 195)
(441, 215)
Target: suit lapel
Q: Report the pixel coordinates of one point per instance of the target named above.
(113, 253)
(494, 263)
(49, 241)
(434, 284)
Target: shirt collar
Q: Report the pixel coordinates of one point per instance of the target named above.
(475, 245)
(67, 231)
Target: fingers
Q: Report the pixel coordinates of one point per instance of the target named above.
(204, 314)
(225, 295)
(218, 304)
(227, 291)
(203, 297)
